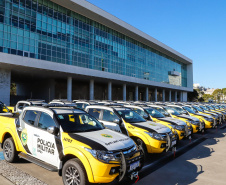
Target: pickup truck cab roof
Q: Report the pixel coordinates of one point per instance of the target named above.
(25, 103)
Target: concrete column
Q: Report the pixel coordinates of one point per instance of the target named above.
(181, 96)
(156, 94)
(5, 83)
(91, 90)
(69, 88)
(163, 95)
(109, 91)
(147, 94)
(185, 96)
(136, 93)
(175, 96)
(124, 92)
(170, 96)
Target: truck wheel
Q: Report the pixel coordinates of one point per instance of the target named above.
(9, 150)
(74, 173)
(142, 147)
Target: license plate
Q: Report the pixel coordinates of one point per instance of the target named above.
(134, 165)
(174, 142)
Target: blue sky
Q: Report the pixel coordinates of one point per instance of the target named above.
(195, 28)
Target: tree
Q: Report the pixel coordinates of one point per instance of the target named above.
(207, 97)
(193, 96)
(217, 94)
(13, 89)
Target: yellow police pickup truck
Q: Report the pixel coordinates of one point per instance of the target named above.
(71, 142)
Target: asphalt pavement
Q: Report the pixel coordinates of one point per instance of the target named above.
(202, 164)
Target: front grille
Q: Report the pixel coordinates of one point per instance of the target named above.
(171, 135)
(197, 122)
(128, 153)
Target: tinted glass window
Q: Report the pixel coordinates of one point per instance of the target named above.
(95, 113)
(109, 116)
(79, 105)
(3, 109)
(45, 121)
(161, 110)
(20, 106)
(130, 116)
(30, 117)
(141, 112)
(78, 123)
(154, 113)
(172, 111)
(189, 110)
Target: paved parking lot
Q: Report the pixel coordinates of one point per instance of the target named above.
(200, 161)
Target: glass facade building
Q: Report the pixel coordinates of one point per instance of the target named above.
(44, 30)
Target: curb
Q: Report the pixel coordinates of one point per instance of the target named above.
(5, 181)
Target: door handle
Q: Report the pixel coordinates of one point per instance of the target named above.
(36, 135)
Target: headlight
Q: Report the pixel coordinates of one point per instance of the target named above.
(209, 119)
(188, 121)
(102, 155)
(195, 122)
(180, 127)
(156, 136)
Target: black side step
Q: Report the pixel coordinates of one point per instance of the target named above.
(38, 162)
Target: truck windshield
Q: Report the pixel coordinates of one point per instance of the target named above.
(161, 110)
(78, 123)
(130, 116)
(3, 109)
(189, 110)
(172, 111)
(179, 110)
(211, 108)
(197, 108)
(154, 113)
(205, 108)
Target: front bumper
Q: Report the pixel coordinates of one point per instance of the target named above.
(102, 172)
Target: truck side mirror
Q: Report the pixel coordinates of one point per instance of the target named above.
(116, 121)
(146, 116)
(53, 130)
(102, 124)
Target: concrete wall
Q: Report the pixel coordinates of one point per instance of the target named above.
(38, 89)
(5, 82)
(190, 77)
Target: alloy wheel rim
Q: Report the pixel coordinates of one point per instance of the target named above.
(72, 176)
(8, 150)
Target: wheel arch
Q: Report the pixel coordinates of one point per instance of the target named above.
(5, 136)
(70, 153)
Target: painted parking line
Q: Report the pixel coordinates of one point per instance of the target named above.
(1, 156)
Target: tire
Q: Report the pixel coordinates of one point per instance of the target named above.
(142, 146)
(9, 150)
(73, 168)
